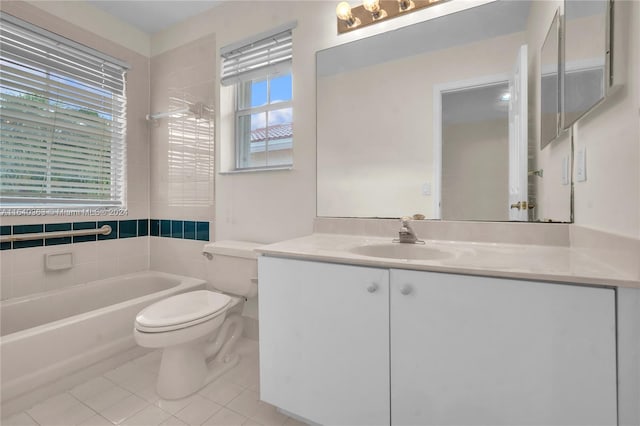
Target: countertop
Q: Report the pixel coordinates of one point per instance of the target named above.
(534, 262)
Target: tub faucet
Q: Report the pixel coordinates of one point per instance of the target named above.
(407, 234)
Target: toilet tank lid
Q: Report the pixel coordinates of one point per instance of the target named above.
(244, 249)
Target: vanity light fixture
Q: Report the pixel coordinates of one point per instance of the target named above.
(372, 11)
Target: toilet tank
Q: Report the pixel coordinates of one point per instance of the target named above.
(232, 267)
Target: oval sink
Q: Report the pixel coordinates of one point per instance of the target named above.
(401, 251)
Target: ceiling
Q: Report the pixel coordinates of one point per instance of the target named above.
(151, 16)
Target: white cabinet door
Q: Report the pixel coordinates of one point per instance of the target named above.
(474, 350)
(324, 340)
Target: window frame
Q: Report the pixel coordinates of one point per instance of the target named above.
(21, 201)
(239, 112)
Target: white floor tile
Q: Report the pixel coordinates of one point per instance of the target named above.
(198, 410)
(173, 421)
(150, 416)
(99, 393)
(62, 409)
(20, 419)
(172, 406)
(225, 417)
(124, 409)
(127, 395)
(140, 381)
(149, 394)
(293, 422)
(267, 415)
(246, 403)
(124, 373)
(221, 391)
(96, 420)
(245, 377)
(150, 361)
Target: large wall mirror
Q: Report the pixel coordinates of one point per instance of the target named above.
(431, 119)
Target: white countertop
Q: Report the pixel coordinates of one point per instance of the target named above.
(535, 262)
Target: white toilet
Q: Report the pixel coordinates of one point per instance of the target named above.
(195, 329)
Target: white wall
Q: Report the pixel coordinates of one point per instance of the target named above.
(98, 22)
(609, 200)
(276, 205)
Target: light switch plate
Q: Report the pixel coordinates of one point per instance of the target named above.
(581, 164)
(426, 188)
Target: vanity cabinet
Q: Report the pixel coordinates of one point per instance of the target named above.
(324, 340)
(342, 344)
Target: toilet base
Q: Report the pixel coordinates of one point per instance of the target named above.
(184, 369)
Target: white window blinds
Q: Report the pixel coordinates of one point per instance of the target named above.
(62, 111)
(264, 54)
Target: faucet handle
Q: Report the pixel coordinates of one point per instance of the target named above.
(405, 220)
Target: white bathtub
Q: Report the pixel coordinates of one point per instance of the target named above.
(47, 336)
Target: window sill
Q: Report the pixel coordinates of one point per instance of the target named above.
(257, 170)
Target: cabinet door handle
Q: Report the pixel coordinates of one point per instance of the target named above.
(406, 289)
(372, 288)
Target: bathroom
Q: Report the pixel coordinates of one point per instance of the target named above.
(183, 190)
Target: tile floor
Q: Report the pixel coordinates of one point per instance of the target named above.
(126, 396)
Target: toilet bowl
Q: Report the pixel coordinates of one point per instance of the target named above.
(196, 330)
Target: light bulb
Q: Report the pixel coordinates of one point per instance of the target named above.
(343, 11)
(405, 5)
(371, 5)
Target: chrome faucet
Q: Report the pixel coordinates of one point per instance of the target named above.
(407, 235)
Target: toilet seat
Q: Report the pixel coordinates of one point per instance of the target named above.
(181, 311)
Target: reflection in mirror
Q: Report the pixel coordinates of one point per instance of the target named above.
(385, 102)
(549, 88)
(475, 153)
(585, 63)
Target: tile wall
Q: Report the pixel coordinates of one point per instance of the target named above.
(182, 158)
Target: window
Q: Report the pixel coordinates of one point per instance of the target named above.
(260, 70)
(62, 109)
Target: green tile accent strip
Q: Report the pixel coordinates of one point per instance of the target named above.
(176, 229)
(202, 231)
(5, 230)
(165, 228)
(84, 238)
(114, 230)
(169, 228)
(189, 230)
(57, 241)
(54, 227)
(27, 229)
(154, 225)
(27, 244)
(128, 228)
(143, 227)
